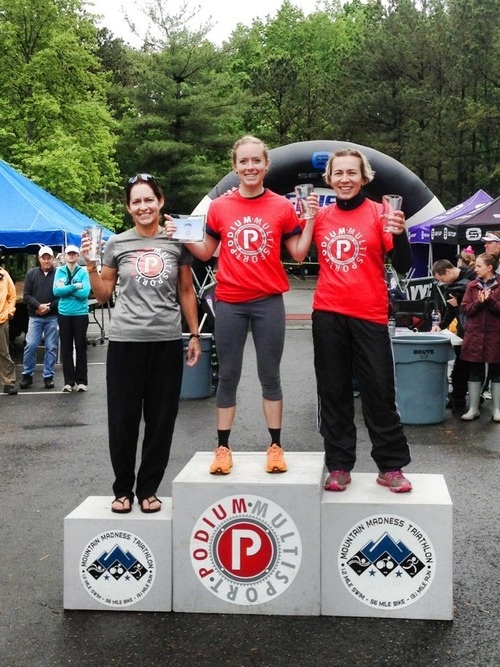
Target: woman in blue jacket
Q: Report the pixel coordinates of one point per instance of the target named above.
(72, 286)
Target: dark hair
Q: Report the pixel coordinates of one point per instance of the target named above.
(440, 267)
(143, 178)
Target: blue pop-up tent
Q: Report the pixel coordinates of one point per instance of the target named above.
(31, 217)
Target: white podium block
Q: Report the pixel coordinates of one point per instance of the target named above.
(248, 542)
(118, 561)
(385, 554)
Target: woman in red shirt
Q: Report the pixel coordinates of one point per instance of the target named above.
(249, 225)
(350, 312)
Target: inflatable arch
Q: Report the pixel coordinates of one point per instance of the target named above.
(304, 162)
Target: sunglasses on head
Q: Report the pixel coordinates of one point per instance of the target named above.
(140, 177)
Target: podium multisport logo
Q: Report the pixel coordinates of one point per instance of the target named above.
(386, 562)
(245, 550)
(117, 568)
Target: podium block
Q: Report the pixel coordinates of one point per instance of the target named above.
(385, 554)
(248, 542)
(118, 561)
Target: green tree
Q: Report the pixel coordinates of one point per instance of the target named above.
(416, 79)
(56, 127)
(183, 110)
(417, 86)
(474, 81)
(292, 69)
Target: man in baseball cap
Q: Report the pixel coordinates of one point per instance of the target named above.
(42, 321)
(45, 250)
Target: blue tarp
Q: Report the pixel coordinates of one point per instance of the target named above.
(31, 217)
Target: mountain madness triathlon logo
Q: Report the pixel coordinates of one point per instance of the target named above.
(386, 562)
(117, 568)
(245, 550)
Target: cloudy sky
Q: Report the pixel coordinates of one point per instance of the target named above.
(223, 16)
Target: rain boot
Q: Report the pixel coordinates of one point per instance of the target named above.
(474, 398)
(495, 397)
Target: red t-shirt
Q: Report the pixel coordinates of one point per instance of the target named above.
(351, 251)
(251, 232)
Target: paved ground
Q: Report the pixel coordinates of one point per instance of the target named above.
(53, 454)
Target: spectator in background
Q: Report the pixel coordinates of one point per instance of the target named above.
(72, 286)
(7, 310)
(467, 258)
(481, 306)
(42, 323)
(455, 281)
(491, 242)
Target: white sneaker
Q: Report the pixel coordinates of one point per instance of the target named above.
(81, 387)
(67, 389)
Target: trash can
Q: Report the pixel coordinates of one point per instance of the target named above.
(421, 369)
(197, 379)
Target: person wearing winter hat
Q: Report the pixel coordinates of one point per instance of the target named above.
(466, 258)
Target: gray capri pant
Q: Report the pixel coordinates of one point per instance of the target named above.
(266, 319)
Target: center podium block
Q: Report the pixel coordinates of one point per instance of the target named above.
(248, 542)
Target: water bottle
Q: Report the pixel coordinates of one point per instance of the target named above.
(436, 318)
(392, 326)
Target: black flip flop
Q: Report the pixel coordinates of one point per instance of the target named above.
(150, 500)
(123, 510)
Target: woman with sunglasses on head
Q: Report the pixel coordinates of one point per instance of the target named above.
(145, 353)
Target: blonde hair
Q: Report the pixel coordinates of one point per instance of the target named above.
(467, 258)
(366, 171)
(248, 139)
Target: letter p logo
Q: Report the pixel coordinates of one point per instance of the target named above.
(342, 246)
(245, 543)
(249, 236)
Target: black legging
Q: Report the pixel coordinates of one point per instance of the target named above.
(143, 379)
(477, 372)
(73, 331)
